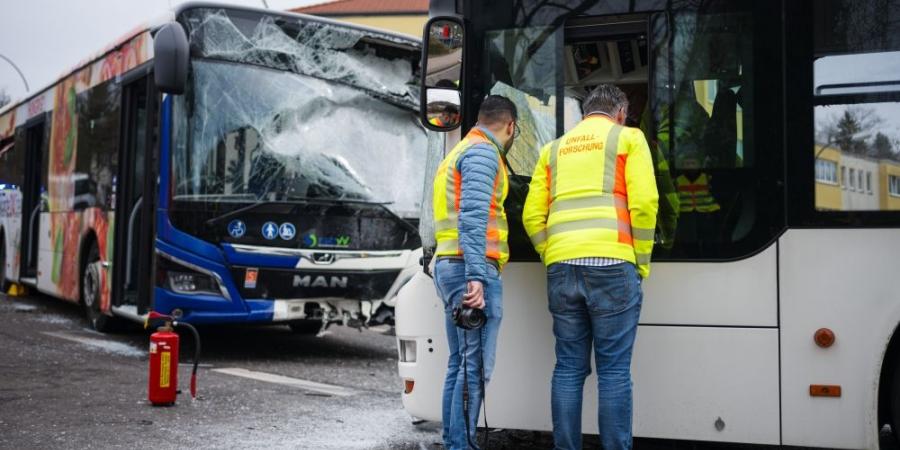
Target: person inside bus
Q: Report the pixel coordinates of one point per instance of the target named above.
(591, 215)
(448, 117)
(470, 187)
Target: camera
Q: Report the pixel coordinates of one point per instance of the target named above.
(468, 318)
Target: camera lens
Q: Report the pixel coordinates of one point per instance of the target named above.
(469, 318)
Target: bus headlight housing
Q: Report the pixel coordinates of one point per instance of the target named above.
(191, 283)
(182, 277)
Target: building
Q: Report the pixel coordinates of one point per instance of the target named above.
(859, 183)
(401, 16)
(889, 174)
(846, 182)
(828, 186)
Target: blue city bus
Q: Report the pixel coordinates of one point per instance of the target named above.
(226, 165)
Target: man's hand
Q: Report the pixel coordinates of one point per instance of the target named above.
(474, 298)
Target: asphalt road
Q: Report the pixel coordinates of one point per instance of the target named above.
(65, 386)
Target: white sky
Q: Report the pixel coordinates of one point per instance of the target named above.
(868, 67)
(46, 37)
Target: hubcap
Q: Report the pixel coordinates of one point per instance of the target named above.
(89, 288)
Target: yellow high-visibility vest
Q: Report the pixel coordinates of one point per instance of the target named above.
(593, 194)
(446, 199)
(694, 196)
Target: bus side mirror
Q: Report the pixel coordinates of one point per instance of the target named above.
(170, 58)
(442, 56)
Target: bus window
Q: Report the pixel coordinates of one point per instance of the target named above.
(521, 64)
(857, 105)
(701, 123)
(12, 165)
(96, 161)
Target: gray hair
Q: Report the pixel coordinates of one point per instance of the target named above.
(604, 99)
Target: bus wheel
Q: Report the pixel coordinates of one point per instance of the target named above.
(90, 292)
(306, 327)
(895, 400)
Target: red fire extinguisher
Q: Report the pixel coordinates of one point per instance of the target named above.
(164, 345)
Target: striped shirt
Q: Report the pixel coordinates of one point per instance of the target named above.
(593, 261)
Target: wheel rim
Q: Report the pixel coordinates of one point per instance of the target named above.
(90, 291)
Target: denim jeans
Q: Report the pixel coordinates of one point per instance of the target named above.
(599, 307)
(450, 280)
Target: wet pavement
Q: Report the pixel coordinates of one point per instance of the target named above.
(66, 386)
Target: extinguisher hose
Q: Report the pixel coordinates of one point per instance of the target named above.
(196, 356)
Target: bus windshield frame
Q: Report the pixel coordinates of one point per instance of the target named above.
(260, 84)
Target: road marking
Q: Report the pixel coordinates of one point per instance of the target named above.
(106, 345)
(280, 379)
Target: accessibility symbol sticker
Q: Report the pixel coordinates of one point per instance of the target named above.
(287, 231)
(270, 230)
(237, 229)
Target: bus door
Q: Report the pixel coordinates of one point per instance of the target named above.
(34, 192)
(135, 199)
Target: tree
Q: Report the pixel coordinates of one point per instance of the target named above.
(850, 131)
(4, 98)
(847, 138)
(882, 147)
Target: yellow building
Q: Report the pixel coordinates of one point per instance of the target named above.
(828, 187)
(889, 177)
(399, 16)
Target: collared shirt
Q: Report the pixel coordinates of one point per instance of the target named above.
(593, 261)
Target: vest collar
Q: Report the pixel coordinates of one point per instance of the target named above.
(487, 134)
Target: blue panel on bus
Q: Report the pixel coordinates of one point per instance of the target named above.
(202, 310)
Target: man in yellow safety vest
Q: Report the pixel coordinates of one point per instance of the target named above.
(591, 215)
(471, 232)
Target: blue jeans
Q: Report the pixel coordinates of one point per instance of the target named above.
(450, 280)
(599, 307)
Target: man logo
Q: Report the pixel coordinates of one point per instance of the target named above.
(323, 258)
(320, 281)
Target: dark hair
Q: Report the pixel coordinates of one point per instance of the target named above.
(496, 109)
(605, 98)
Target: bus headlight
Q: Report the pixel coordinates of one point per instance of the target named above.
(184, 278)
(407, 350)
(192, 283)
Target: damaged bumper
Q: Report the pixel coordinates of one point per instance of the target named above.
(355, 289)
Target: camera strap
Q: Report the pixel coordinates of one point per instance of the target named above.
(466, 389)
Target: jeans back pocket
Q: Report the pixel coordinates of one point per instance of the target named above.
(607, 289)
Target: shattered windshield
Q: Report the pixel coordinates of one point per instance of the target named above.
(379, 63)
(273, 119)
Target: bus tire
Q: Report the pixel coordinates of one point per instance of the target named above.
(306, 327)
(4, 280)
(90, 291)
(894, 415)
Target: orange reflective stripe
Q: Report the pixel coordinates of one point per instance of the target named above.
(619, 187)
(551, 169)
(497, 225)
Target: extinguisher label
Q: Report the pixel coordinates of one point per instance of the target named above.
(164, 362)
(153, 348)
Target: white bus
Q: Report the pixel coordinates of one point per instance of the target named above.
(791, 112)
